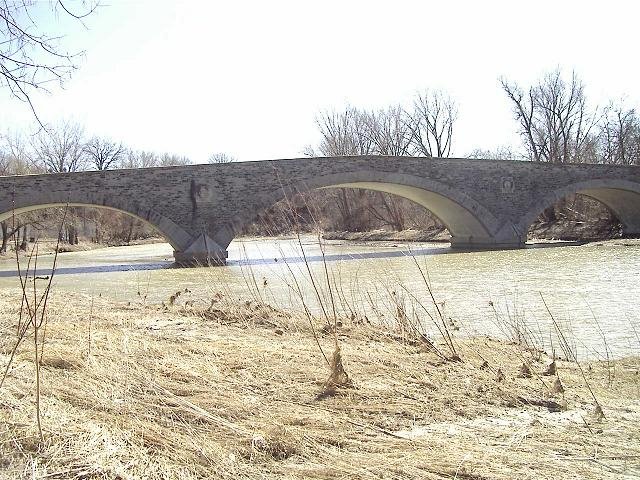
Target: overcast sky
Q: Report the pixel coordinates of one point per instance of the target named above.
(248, 77)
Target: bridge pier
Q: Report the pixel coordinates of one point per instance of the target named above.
(507, 237)
(202, 252)
(200, 260)
(485, 244)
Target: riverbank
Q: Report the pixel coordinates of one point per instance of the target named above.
(210, 387)
(49, 246)
(576, 231)
(409, 235)
(564, 230)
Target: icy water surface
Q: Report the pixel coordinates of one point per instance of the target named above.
(593, 291)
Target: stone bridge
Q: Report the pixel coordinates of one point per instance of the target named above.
(485, 204)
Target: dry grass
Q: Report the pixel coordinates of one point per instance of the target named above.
(204, 389)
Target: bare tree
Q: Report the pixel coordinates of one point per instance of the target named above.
(61, 149)
(390, 131)
(347, 133)
(31, 57)
(20, 155)
(620, 136)
(140, 159)
(147, 159)
(16, 157)
(221, 157)
(431, 122)
(555, 121)
(104, 153)
(391, 134)
(426, 130)
(173, 160)
(4, 163)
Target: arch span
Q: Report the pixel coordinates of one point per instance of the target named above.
(622, 197)
(174, 235)
(467, 220)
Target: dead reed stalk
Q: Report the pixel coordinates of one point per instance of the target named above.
(33, 314)
(565, 344)
(441, 322)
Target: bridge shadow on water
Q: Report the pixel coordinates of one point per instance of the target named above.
(403, 251)
(334, 257)
(337, 257)
(293, 259)
(130, 267)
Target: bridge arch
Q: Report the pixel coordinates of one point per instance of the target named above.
(622, 197)
(177, 237)
(465, 218)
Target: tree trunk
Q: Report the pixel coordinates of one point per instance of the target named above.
(5, 237)
(130, 232)
(344, 209)
(394, 214)
(72, 235)
(24, 243)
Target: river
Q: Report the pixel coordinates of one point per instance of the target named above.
(592, 291)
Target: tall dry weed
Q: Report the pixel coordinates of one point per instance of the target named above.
(32, 316)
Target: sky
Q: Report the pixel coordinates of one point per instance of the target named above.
(248, 77)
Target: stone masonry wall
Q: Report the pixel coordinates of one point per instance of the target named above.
(216, 199)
